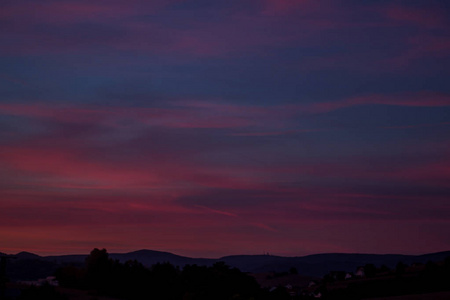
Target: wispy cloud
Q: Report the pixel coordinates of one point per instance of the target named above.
(238, 126)
(220, 212)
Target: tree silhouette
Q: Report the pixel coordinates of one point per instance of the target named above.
(400, 268)
(370, 270)
(3, 278)
(131, 280)
(98, 268)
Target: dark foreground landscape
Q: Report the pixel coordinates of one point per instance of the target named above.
(147, 274)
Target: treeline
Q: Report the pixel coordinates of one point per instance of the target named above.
(131, 280)
(403, 280)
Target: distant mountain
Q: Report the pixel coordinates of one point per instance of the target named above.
(28, 266)
(76, 259)
(27, 255)
(33, 266)
(311, 265)
(434, 256)
(151, 257)
(321, 264)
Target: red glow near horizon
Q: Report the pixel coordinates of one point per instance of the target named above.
(289, 127)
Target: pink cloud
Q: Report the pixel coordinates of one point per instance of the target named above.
(421, 99)
(285, 7)
(216, 211)
(425, 17)
(265, 227)
(129, 178)
(419, 47)
(433, 173)
(276, 24)
(137, 224)
(13, 80)
(181, 115)
(418, 126)
(193, 229)
(430, 41)
(240, 31)
(66, 165)
(201, 114)
(50, 163)
(64, 12)
(170, 117)
(276, 133)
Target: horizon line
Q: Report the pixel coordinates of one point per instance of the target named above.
(230, 255)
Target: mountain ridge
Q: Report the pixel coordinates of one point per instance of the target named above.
(310, 265)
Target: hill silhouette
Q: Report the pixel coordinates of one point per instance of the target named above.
(27, 264)
(27, 255)
(321, 264)
(151, 257)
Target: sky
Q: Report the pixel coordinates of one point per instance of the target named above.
(211, 128)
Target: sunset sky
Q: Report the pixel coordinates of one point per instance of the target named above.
(209, 128)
